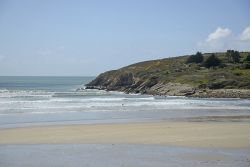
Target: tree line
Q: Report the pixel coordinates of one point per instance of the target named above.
(232, 56)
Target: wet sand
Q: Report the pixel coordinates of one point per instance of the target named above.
(119, 155)
(187, 134)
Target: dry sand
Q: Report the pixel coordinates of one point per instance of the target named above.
(189, 134)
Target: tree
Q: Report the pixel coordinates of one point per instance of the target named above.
(247, 58)
(197, 58)
(212, 61)
(233, 56)
(246, 62)
(229, 55)
(236, 57)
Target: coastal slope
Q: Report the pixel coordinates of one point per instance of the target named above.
(225, 76)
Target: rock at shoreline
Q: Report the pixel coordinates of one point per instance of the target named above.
(174, 77)
(223, 93)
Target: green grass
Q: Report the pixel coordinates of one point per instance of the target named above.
(175, 69)
(241, 72)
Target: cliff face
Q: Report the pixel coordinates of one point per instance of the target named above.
(128, 83)
(112, 80)
(173, 76)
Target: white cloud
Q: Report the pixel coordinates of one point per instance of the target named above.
(223, 39)
(245, 35)
(219, 33)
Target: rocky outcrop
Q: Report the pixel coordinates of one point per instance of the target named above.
(222, 93)
(126, 82)
(118, 81)
(174, 77)
(129, 84)
(172, 89)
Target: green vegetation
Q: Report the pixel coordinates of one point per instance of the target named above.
(197, 58)
(233, 56)
(215, 71)
(246, 62)
(212, 61)
(247, 58)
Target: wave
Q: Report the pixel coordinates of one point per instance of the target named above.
(74, 100)
(33, 101)
(114, 104)
(84, 94)
(4, 93)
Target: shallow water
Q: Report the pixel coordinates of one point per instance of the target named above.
(98, 155)
(28, 101)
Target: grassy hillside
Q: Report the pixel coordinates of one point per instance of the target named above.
(140, 77)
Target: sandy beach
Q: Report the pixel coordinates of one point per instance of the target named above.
(187, 134)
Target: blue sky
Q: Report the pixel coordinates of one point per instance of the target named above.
(56, 37)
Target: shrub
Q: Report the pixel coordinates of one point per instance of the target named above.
(212, 61)
(197, 58)
(247, 58)
(233, 56)
(245, 66)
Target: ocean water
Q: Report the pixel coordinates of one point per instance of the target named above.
(34, 100)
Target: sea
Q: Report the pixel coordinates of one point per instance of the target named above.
(46, 100)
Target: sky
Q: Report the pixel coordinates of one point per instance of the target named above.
(88, 37)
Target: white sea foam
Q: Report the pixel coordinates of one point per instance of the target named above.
(110, 104)
(39, 101)
(47, 99)
(23, 93)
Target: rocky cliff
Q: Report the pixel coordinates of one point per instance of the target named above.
(176, 77)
